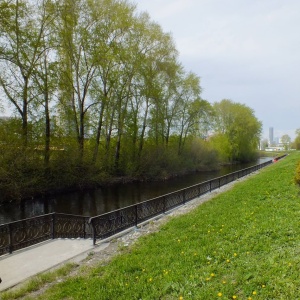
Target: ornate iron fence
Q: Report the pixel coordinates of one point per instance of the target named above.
(27, 232)
(116, 221)
(23, 233)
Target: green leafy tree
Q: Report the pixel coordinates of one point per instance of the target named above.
(78, 65)
(21, 34)
(296, 142)
(286, 141)
(192, 108)
(237, 124)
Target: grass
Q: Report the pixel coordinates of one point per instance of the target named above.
(243, 244)
(38, 281)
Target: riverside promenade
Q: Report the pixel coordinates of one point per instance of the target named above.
(19, 266)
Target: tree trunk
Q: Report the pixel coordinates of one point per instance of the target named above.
(47, 117)
(99, 128)
(141, 145)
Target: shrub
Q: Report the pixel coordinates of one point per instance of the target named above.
(297, 176)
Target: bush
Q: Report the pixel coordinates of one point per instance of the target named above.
(297, 176)
(202, 156)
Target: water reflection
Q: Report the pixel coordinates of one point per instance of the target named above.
(99, 201)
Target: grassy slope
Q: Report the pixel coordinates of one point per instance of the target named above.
(243, 244)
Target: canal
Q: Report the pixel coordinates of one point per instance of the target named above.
(105, 199)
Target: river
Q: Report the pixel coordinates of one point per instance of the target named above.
(105, 199)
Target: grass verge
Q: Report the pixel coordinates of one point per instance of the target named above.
(243, 244)
(38, 281)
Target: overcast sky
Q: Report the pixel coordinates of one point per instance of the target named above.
(244, 50)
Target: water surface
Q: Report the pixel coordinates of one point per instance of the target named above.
(105, 199)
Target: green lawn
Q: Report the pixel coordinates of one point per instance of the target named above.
(243, 244)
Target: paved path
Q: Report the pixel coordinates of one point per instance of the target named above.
(20, 265)
(23, 264)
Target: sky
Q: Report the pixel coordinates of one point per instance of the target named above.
(247, 51)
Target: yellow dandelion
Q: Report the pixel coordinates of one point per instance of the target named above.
(263, 286)
(212, 275)
(254, 293)
(234, 254)
(180, 298)
(219, 294)
(249, 298)
(228, 260)
(234, 297)
(150, 279)
(207, 279)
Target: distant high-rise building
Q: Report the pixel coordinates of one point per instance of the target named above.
(271, 135)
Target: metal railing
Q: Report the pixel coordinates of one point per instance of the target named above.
(20, 234)
(116, 221)
(24, 233)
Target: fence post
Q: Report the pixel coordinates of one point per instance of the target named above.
(10, 246)
(93, 231)
(136, 215)
(53, 226)
(184, 196)
(84, 228)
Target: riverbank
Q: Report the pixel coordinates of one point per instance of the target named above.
(37, 181)
(33, 180)
(14, 275)
(241, 245)
(98, 201)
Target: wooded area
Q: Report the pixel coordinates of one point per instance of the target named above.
(98, 92)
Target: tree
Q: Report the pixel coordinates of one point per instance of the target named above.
(192, 109)
(286, 140)
(237, 125)
(264, 144)
(296, 142)
(116, 67)
(78, 64)
(22, 34)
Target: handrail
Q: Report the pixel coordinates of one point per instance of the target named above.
(113, 222)
(23, 233)
(27, 232)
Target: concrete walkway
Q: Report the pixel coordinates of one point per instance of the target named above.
(21, 265)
